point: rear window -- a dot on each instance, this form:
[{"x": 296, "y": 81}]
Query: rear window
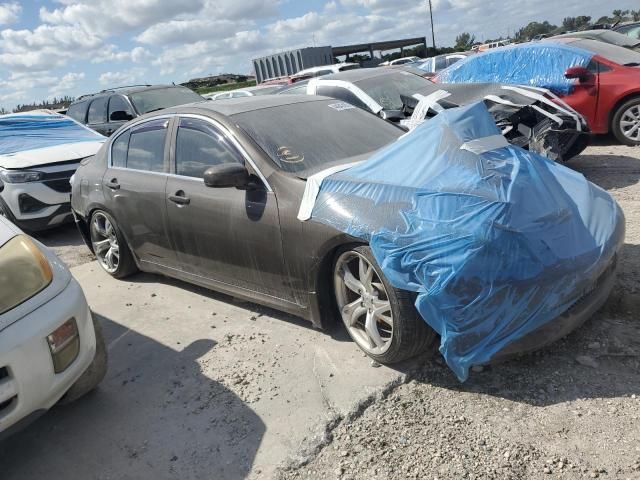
[
  {"x": 159, "y": 98},
  {"x": 78, "y": 111},
  {"x": 311, "y": 136}
]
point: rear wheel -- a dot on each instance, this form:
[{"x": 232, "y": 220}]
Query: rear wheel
[
  {"x": 381, "y": 319},
  {"x": 109, "y": 246},
  {"x": 625, "y": 124}
]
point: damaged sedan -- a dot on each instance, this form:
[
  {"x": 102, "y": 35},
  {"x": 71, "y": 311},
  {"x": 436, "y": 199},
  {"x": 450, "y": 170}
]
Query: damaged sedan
[
  {"x": 529, "y": 118},
  {"x": 403, "y": 236}
]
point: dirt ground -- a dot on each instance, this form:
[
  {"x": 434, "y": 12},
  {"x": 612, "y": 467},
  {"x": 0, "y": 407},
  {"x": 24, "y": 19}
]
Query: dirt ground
[{"x": 569, "y": 411}]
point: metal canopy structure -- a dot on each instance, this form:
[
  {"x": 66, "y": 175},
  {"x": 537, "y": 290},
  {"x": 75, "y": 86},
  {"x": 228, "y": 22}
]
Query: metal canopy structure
[{"x": 378, "y": 46}]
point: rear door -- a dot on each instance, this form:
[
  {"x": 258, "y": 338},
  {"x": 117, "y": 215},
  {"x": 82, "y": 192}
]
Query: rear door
[
  {"x": 97, "y": 115},
  {"x": 134, "y": 184},
  {"x": 222, "y": 234}
]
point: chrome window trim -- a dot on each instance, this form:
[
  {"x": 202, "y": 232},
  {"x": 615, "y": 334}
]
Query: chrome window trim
[{"x": 223, "y": 130}]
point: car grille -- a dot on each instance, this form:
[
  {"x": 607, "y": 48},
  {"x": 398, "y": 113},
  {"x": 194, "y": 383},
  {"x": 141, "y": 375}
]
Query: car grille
[
  {"x": 8, "y": 391},
  {"x": 59, "y": 181}
]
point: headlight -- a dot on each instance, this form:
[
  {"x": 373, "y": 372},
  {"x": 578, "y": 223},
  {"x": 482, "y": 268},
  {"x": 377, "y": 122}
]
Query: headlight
[
  {"x": 24, "y": 271},
  {"x": 20, "y": 176}
]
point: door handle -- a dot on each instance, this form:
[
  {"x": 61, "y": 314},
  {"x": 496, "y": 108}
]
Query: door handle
[
  {"x": 113, "y": 184},
  {"x": 179, "y": 198}
]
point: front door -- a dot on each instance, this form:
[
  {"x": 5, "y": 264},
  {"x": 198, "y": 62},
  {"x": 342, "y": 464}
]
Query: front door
[
  {"x": 134, "y": 184},
  {"x": 222, "y": 234}
]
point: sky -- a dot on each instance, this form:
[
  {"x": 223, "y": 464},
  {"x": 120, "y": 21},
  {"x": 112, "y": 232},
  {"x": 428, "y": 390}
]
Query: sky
[{"x": 70, "y": 47}]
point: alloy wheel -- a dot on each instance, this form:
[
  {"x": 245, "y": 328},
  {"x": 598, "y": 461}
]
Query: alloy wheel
[
  {"x": 363, "y": 303},
  {"x": 630, "y": 123},
  {"x": 105, "y": 242}
]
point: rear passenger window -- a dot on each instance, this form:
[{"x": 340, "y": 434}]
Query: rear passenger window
[
  {"x": 199, "y": 145},
  {"x": 146, "y": 147},
  {"x": 119, "y": 150},
  {"x": 78, "y": 112},
  {"x": 98, "y": 111}
]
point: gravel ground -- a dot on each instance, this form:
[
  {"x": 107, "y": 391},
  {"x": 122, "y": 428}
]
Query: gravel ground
[{"x": 568, "y": 411}]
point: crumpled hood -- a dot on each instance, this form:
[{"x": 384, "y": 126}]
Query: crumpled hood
[{"x": 496, "y": 240}]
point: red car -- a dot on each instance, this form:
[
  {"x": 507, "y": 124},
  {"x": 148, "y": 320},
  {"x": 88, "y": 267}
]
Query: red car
[{"x": 605, "y": 89}]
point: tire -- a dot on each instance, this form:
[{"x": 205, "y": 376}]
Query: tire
[
  {"x": 405, "y": 336},
  {"x": 623, "y": 121},
  {"x": 110, "y": 246},
  {"x": 93, "y": 375}
]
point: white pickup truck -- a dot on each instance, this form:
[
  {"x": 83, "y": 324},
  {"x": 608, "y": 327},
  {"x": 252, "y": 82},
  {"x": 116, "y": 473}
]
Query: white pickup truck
[{"x": 50, "y": 348}]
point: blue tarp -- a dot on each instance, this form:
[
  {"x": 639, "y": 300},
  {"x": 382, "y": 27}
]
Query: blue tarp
[
  {"x": 19, "y": 133},
  {"x": 538, "y": 64},
  {"x": 496, "y": 244}
]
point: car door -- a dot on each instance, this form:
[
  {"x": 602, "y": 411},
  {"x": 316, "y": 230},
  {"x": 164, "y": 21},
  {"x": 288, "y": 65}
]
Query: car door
[
  {"x": 97, "y": 115},
  {"x": 584, "y": 95},
  {"x": 222, "y": 234},
  {"x": 120, "y": 112},
  {"x": 134, "y": 186}
]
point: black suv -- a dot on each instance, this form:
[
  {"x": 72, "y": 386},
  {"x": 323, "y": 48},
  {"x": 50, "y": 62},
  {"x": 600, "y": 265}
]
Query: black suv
[{"x": 108, "y": 110}]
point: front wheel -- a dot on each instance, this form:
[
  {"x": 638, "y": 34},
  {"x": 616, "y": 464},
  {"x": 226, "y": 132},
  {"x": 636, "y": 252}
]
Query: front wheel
[
  {"x": 625, "y": 124},
  {"x": 109, "y": 246},
  {"x": 381, "y": 319}
]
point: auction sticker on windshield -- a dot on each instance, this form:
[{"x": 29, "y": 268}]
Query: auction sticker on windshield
[{"x": 341, "y": 106}]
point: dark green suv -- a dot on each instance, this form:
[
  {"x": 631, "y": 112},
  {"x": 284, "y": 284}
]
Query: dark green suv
[{"x": 108, "y": 110}]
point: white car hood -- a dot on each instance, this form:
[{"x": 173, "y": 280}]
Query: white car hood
[{"x": 48, "y": 155}]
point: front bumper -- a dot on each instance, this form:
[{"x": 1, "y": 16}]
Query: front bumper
[
  {"x": 28, "y": 384},
  {"x": 55, "y": 210},
  {"x": 571, "y": 319}
]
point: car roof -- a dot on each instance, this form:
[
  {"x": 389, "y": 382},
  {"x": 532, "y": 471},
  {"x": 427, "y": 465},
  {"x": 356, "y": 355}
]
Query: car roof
[
  {"x": 124, "y": 91},
  {"x": 359, "y": 74},
  {"x": 234, "y": 106}
]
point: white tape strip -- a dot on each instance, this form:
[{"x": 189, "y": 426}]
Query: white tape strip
[
  {"x": 312, "y": 188},
  {"x": 503, "y": 101},
  {"x": 553, "y": 117},
  {"x": 485, "y": 144},
  {"x": 424, "y": 104},
  {"x": 374, "y": 106}
]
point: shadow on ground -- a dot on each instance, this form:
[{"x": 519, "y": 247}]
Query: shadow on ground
[
  {"x": 608, "y": 171},
  {"x": 163, "y": 417}
]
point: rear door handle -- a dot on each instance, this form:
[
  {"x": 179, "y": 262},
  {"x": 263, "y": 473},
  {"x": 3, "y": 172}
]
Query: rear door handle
[
  {"x": 180, "y": 198},
  {"x": 113, "y": 184}
]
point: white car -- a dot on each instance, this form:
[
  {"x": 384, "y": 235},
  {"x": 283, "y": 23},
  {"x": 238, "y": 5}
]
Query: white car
[
  {"x": 325, "y": 70},
  {"x": 39, "y": 151},
  {"x": 50, "y": 348},
  {"x": 401, "y": 61}
]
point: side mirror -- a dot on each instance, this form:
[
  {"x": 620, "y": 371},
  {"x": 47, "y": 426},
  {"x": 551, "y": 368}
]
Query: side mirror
[
  {"x": 392, "y": 115},
  {"x": 120, "y": 116},
  {"x": 226, "y": 175},
  {"x": 580, "y": 73}
]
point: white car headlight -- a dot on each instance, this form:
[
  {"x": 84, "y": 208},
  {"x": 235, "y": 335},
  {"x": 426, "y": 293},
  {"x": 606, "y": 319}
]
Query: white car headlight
[
  {"x": 24, "y": 271},
  {"x": 20, "y": 176}
]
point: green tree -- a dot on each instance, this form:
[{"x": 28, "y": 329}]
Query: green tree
[
  {"x": 533, "y": 29},
  {"x": 635, "y": 15},
  {"x": 464, "y": 41}
]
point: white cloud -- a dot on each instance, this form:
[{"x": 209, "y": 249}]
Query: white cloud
[
  {"x": 114, "y": 79},
  {"x": 9, "y": 13},
  {"x": 68, "y": 82},
  {"x": 110, "y": 53}
]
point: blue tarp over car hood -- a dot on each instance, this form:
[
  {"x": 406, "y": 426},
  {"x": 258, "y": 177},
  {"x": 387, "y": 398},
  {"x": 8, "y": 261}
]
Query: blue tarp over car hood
[
  {"x": 537, "y": 64},
  {"x": 31, "y": 131},
  {"x": 496, "y": 243}
]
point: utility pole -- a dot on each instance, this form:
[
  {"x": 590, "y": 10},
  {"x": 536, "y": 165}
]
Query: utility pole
[{"x": 433, "y": 35}]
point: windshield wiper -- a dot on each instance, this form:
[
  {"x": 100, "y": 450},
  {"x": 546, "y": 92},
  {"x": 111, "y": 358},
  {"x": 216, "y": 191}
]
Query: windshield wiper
[{"x": 631, "y": 64}]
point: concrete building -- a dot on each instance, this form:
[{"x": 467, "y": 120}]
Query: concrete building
[{"x": 292, "y": 61}]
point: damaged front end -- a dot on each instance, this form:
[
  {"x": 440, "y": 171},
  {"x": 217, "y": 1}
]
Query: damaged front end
[{"x": 530, "y": 118}]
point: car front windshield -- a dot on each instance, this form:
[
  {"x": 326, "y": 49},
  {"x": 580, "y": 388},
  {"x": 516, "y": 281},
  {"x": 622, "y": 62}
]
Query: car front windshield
[
  {"x": 386, "y": 89},
  {"x": 619, "y": 55},
  {"x": 159, "y": 98},
  {"x": 306, "y": 137}
]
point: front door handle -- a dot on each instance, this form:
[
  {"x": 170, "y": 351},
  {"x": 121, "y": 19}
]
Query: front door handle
[
  {"x": 113, "y": 184},
  {"x": 180, "y": 198}
]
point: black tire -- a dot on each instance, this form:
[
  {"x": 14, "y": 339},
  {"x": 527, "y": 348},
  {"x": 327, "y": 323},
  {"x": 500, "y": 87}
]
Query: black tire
[
  {"x": 410, "y": 335},
  {"x": 616, "y": 126},
  {"x": 126, "y": 264},
  {"x": 92, "y": 377}
]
